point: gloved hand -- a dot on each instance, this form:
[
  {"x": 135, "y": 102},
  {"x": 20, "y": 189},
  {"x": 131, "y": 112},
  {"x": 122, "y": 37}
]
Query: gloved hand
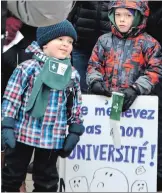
[
  {"x": 75, "y": 131},
  {"x": 8, "y": 138},
  {"x": 12, "y": 26},
  {"x": 130, "y": 95},
  {"x": 7, "y": 133},
  {"x": 99, "y": 88},
  {"x": 70, "y": 142}
]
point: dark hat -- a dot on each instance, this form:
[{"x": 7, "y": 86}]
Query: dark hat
[{"x": 48, "y": 33}]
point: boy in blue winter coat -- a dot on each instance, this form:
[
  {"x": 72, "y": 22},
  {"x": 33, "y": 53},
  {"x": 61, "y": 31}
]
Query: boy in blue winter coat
[{"x": 34, "y": 110}]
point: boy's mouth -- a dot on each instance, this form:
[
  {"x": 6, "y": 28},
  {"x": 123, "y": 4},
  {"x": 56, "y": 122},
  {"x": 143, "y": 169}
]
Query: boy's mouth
[
  {"x": 64, "y": 50},
  {"x": 122, "y": 26}
]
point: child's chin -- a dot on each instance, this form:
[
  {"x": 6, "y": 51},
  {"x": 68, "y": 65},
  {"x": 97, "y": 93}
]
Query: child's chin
[
  {"x": 60, "y": 57},
  {"x": 123, "y": 31}
]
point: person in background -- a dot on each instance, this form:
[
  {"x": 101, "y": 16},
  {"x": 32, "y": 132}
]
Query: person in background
[
  {"x": 40, "y": 13},
  {"x": 90, "y": 20},
  {"x": 36, "y": 110},
  {"x": 127, "y": 59},
  {"x": 16, "y": 54}
]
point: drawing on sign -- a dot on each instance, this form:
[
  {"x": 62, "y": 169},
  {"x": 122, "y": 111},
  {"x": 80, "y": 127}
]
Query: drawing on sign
[
  {"x": 79, "y": 184},
  {"x": 111, "y": 132},
  {"x": 104, "y": 180},
  {"x": 76, "y": 167},
  {"x": 107, "y": 102},
  {"x": 140, "y": 170},
  {"x": 139, "y": 186}
]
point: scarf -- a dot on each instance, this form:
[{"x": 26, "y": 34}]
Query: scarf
[{"x": 55, "y": 74}]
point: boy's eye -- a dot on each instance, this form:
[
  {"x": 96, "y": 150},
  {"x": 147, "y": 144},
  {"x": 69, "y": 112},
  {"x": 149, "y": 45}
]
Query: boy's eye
[
  {"x": 70, "y": 42},
  {"x": 120, "y": 15},
  {"x": 117, "y": 14},
  {"x": 60, "y": 39}
]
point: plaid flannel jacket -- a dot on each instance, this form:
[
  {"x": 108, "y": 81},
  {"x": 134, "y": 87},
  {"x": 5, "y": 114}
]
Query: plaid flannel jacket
[{"x": 47, "y": 132}]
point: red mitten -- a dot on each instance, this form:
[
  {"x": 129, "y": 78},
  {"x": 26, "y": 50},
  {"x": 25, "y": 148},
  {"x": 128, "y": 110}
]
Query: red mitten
[{"x": 12, "y": 26}]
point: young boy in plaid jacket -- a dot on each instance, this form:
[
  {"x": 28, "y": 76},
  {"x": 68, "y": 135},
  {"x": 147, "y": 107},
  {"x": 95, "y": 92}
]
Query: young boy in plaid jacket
[{"x": 34, "y": 110}]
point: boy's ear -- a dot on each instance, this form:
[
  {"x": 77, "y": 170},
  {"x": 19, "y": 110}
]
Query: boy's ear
[{"x": 44, "y": 47}]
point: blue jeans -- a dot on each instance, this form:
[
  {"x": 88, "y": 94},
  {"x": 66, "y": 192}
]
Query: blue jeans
[{"x": 80, "y": 60}]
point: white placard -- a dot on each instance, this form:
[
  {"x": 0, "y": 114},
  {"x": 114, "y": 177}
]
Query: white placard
[{"x": 96, "y": 166}]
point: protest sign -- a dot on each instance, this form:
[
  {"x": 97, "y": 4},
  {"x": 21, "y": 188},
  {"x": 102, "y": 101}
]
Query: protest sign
[{"x": 96, "y": 166}]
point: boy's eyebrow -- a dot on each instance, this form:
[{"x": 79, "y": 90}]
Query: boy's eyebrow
[{"x": 123, "y": 12}]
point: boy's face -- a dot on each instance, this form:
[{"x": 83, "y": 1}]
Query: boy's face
[
  {"x": 123, "y": 19},
  {"x": 60, "y": 47}
]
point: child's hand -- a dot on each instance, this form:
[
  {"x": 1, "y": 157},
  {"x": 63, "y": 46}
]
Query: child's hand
[
  {"x": 99, "y": 88},
  {"x": 8, "y": 138},
  {"x": 130, "y": 95},
  {"x": 7, "y": 133},
  {"x": 70, "y": 142},
  {"x": 75, "y": 131}
]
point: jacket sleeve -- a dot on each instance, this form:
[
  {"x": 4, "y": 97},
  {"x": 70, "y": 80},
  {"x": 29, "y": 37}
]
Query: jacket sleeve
[
  {"x": 73, "y": 11},
  {"x": 153, "y": 70},
  {"x": 76, "y": 116},
  {"x": 13, "y": 94},
  {"x": 95, "y": 70},
  {"x": 40, "y": 13}
]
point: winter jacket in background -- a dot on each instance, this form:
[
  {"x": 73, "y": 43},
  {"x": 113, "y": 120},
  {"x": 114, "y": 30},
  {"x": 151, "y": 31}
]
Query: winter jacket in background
[
  {"x": 40, "y": 13},
  {"x": 90, "y": 20}
]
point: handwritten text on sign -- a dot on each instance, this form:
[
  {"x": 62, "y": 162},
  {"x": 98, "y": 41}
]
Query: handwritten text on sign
[{"x": 96, "y": 165}]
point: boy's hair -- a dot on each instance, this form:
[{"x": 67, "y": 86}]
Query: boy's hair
[{"x": 48, "y": 33}]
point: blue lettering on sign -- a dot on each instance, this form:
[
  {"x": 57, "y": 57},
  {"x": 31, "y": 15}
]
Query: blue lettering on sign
[
  {"x": 84, "y": 110},
  {"x": 130, "y": 113},
  {"x": 141, "y": 155},
  {"x": 151, "y": 113},
  {"x": 131, "y": 131},
  {"x": 93, "y": 129},
  {"x": 105, "y": 152}
]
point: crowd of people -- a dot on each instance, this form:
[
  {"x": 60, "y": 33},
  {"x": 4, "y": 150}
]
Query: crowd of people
[{"x": 106, "y": 46}]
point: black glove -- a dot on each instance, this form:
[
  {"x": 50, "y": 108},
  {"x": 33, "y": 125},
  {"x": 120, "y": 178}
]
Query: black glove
[
  {"x": 130, "y": 95},
  {"x": 8, "y": 138},
  {"x": 75, "y": 131},
  {"x": 99, "y": 88},
  {"x": 7, "y": 133},
  {"x": 69, "y": 144}
]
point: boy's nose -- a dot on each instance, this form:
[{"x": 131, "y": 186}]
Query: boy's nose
[
  {"x": 65, "y": 43},
  {"x": 122, "y": 18}
]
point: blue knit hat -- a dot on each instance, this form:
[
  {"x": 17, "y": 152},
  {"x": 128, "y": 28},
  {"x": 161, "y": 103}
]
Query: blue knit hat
[{"x": 48, "y": 33}]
